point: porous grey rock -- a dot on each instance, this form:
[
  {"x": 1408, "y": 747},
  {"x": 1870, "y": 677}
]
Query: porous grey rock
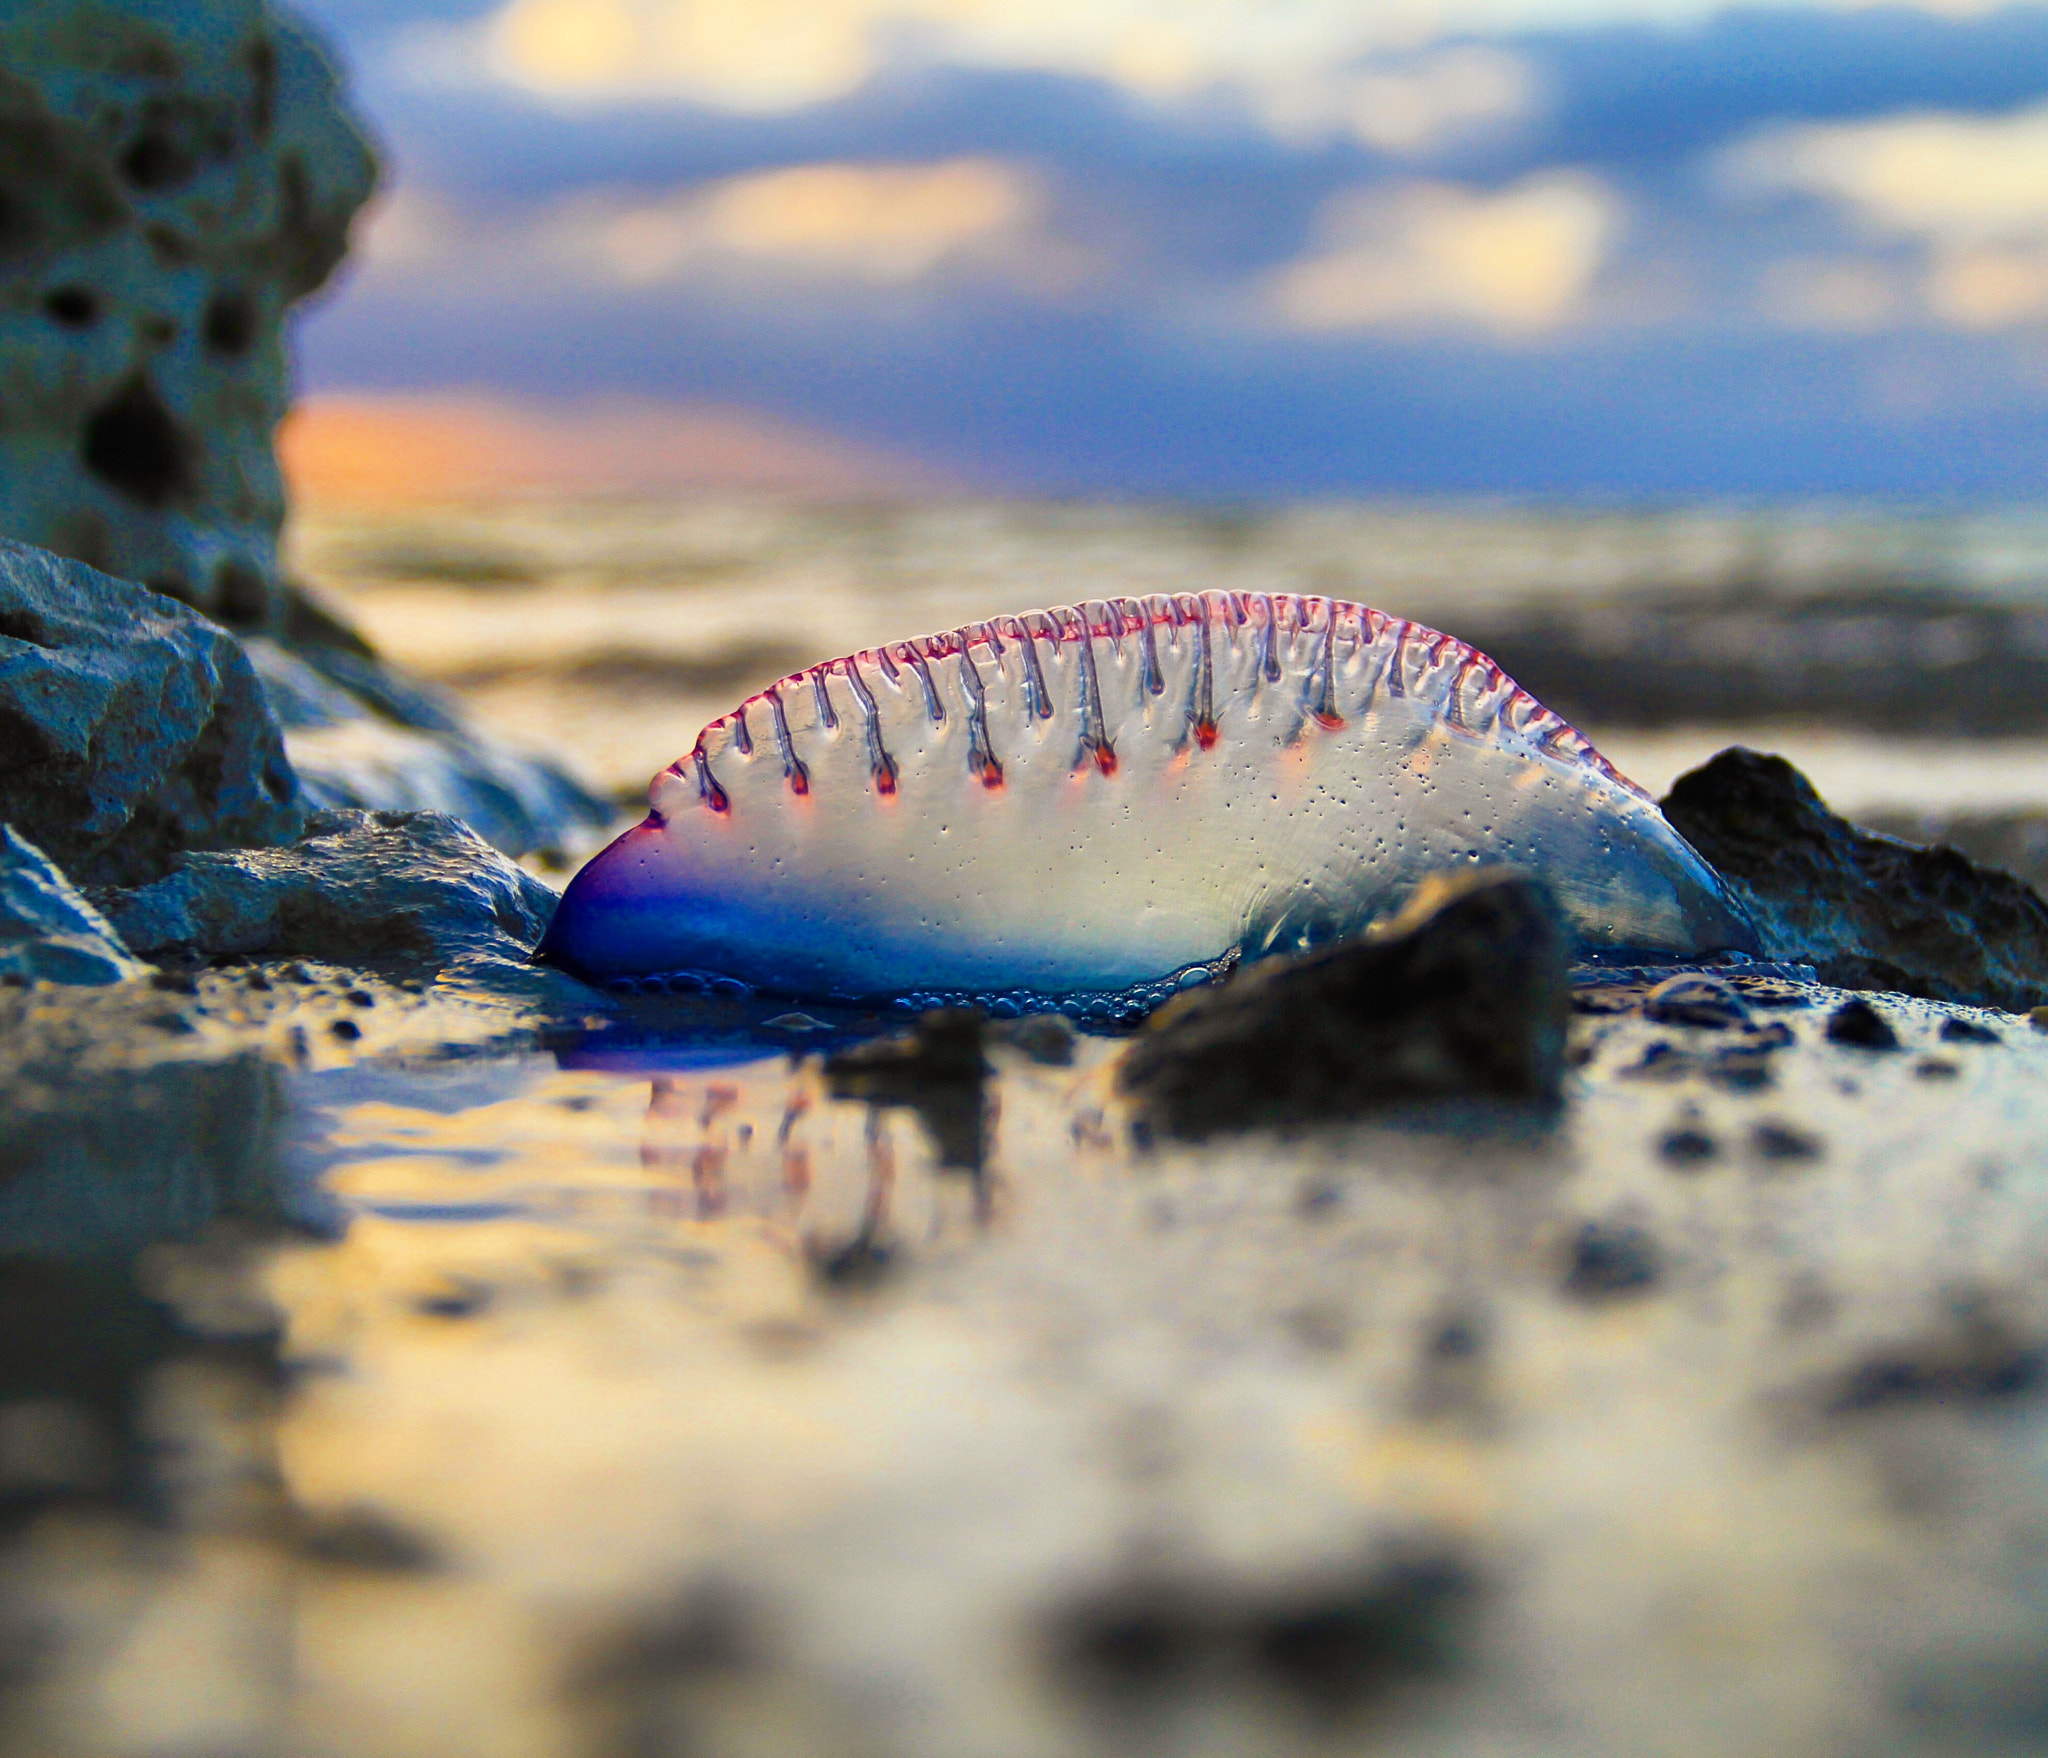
[
  {"x": 131, "y": 729},
  {"x": 410, "y": 892},
  {"x": 48, "y": 933},
  {"x": 172, "y": 180},
  {"x": 1870, "y": 912},
  {"x": 1464, "y": 993}
]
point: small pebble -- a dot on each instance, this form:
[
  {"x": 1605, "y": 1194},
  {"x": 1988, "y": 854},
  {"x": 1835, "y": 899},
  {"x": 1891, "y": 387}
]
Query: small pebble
[
  {"x": 1780, "y": 1141},
  {"x": 1695, "y": 1000},
  {"x": 1967, "y": 1031},
  {"x": 1936, "y": 1068},
  {"x": 1612, "y": 1260},
  {"x": 1859, "y": 1024},
  {"x": 1687, "y": 1147}
]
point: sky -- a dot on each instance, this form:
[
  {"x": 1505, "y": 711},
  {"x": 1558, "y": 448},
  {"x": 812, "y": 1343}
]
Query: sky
[{"x": 1596, "y": 249}]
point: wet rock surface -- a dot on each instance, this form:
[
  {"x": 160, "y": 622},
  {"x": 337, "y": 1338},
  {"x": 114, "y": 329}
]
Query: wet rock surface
[
  {"x": 413, "y": 892},
  {"x": 1463, "y": 994},
  {"x": 1868, "y": 911},
  {"x": 48, "y": 932},
  {"x": 131, "y": 729}
]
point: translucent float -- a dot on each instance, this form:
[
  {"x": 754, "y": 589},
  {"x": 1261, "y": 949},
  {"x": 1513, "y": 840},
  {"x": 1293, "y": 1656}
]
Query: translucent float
[{"x": 1088, "y": 807}]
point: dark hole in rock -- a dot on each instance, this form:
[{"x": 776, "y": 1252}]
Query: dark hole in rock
[
  {"x": 261, "y": 58},
  {"x": 228, "y": 325},
  {"x": 133, "y": 444},
  {"x": 1860, "y": 1024},
  {"x": 1780, "y": 1141},
  {"x": 241, "y": 597},
  {"x": 1967, "y": 1031},
  {"x": 1688, "y": 1147},
  {"x": 155, "y": 161},
  {"x": 346, "y": 1029},
  {"x": 19, "y": 626},
  {"x": 1937, "y": 1068},
  {"x": 365, "y": 1539},
  {"x": 73, "y": 307},
  {"x": 1612, "y": 1259},
  {"x": 360, "y": 998},
  {"x": 175, "y": 982}
]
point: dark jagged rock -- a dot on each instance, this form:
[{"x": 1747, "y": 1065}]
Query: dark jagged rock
[
  {"x": 2014, "y": 841},
  {"x": 131, "y": 728},
  {"x": 405, "y": 891},
  {"x": 1860, "y": 1024},
  {"x": 1870, "y": 912},
  {"x": 1463, "y": 993}
]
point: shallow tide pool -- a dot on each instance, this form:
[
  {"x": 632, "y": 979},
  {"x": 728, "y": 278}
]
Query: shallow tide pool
[{"x": 639, "y": 1396}]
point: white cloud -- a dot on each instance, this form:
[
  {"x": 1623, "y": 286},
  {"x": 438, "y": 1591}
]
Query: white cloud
[
  {"x": 1406, "y": 104},
  {"x": 1970, "y": 191},
  {"x": 1426, "y": 255},
  {"x": 834, "y": 223},
  {"x": 1957, "y": 179},
  {"x": 1297, "y": 57}
]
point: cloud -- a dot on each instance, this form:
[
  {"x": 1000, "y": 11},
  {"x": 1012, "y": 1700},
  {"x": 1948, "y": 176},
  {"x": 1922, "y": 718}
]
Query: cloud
[
  {"x": 1971, "y": 191},
  {"x": 1301, "y": 59},
  {"x": 1406, "y": 106},
  {"x": 1961, "y": 180},
  {"x": 886, "y": 226},
  {"x": 1426, "y": 255}
]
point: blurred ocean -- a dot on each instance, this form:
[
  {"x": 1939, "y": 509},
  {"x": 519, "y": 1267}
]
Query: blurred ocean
[{"x": 1900, "y": 659}]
